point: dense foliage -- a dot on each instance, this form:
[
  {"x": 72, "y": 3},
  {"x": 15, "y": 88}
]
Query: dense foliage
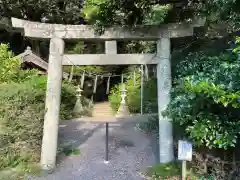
[
  {"x": 106, "y": 12},
  {"x": 219, "y": 11},
  {"x": 10, "y": 67},
  {"x": 205, "y": 98},
  {"x": 109, "y": 12},
  {"x": 53, "y": 11},
  {"x": 22, "y": 99},
  {"x": 21, "y": 121},
  {"x": 134, "y": 94}
]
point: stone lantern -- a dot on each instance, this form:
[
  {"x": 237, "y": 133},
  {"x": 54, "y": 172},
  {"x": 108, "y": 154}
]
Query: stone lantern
[
  {"x": 78, "y": 108},
  {"x": 123, "y": 108}
]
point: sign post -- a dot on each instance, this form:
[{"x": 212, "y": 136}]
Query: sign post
[{"x": 184, "y": 155}]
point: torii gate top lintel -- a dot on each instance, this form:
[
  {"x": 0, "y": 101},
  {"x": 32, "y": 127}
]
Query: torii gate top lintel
[{"x": 87, "y": 32}]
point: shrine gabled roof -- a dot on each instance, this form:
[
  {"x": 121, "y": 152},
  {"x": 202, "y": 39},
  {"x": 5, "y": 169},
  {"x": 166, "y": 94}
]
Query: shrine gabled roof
[{"x": 29, "y": 56}]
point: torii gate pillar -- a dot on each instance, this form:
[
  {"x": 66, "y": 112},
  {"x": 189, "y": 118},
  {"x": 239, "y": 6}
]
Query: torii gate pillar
[
  {"x": 164, "y": 81},
  {"x": 52, "y": 105}
]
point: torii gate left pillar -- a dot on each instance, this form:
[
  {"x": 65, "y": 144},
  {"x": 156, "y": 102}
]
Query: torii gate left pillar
[{"x": 52, "y": 105}]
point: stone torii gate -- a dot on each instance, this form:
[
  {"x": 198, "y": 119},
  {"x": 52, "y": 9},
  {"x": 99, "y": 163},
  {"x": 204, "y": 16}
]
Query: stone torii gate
[{"x": 57, "y": 32}]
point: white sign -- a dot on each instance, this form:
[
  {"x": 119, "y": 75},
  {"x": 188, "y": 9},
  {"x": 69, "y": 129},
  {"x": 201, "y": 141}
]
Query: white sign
[{"x": 184, "y": 150}]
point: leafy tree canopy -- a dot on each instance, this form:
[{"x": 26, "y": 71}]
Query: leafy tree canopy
[
  {"x": 206, "y": 98},
  {"x": 57, "y": 11},
  {"x": 131, "y": 12},
  {"x": 10, "y": 67}
]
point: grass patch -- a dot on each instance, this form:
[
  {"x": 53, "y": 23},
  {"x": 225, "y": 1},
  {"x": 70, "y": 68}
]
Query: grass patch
[
  {"x": 164, "y": 170},
  {"x": 20, "y": 171},
  {"x": 172, "y": 171},
  {"x": 69, "y": 150}
]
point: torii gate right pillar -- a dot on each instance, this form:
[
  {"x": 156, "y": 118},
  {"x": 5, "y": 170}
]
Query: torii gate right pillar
[{"x": 164, "y": 81}]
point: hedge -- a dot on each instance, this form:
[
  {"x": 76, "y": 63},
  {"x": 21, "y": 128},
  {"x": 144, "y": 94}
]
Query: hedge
[
  {"x": 134, "y": 95},
  {"x": 22, "y": 108},
  {"x": 21, "y": 119}
]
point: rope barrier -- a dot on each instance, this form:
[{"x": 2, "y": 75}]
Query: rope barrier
[{"x": 91, "y": 74}]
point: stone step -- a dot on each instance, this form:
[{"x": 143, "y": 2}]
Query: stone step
[
  {"x": 97, "y": 114},
  {"x": 108, "y": 108},
  {"x": 102, "y": 110},
  {"x": 100, "y": 106}
]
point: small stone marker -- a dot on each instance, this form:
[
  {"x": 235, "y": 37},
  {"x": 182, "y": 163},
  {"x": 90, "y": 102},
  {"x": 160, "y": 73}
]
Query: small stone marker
[{"x": 184, "y": 154}]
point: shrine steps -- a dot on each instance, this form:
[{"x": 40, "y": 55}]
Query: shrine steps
[{"x": 103, "y": 109}]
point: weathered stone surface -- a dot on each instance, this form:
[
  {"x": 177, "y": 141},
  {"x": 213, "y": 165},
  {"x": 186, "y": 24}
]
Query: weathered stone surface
[
  {"x": 51, "y": 119},
  {"x": 109, "y": 59},
  {"x": 78, "y": 108},
  {"x": 123, "y": 110},
  {"x": 164, "y": 86},
  {"x": 111, "y": 47},
  {"x": 85, "y": 32}
]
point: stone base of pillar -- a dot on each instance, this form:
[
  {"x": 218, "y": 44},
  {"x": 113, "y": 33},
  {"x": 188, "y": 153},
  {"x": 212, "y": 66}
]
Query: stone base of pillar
[
  {"x": 45, "y": 170},
  {"x": 123, "y": 110},
  {"x": 165, "y": 141},
  {"x": 78, "y": 108}
]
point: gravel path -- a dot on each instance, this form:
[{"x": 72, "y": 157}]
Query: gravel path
[{"x": 130, "y": 152}]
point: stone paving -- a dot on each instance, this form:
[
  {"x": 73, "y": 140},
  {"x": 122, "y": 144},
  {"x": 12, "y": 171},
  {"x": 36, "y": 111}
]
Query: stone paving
[{"x": 130, "y": 152}]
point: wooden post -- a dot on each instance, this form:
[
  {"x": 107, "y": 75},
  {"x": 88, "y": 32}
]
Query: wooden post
[
  {"x": 52, "y": 107},
  {"x": 164, "y": 86},
  {"x": 106, "y": 144},
  {"x": 142, "y": 80},
  {"x": 184, "y": 170}
]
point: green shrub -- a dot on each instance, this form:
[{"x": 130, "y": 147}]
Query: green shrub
[
  {"x": 150, "y": 100},
  {"x": 172, "y": 171},
  {"x": 115, "y": 97},
  {"x": 10, "y": 71},
  {"x": 22, "y": 108},
  {"x": 134, "y": 95},
  {"x": 68, "y": 100},
  {"x": 205, "y": 99},
  {"x": 10, "y": 67},
  {"x": 21, "y": 119},
  {"x": 164, "y": 171}
]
